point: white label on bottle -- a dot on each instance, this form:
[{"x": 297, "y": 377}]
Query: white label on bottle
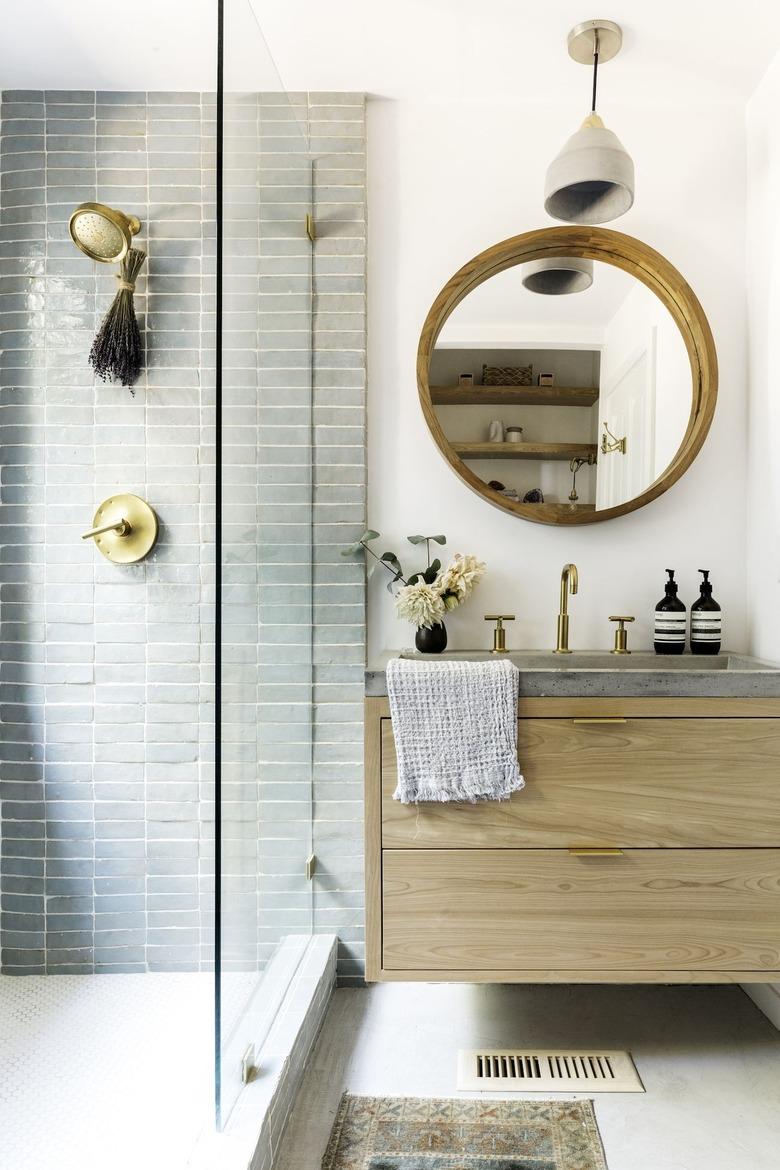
[
  {"x": 670, "y": 626},
  {"x": 705, "y": 625}
]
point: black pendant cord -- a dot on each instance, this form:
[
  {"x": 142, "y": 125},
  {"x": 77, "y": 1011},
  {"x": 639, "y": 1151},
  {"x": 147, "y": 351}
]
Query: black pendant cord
[{"x": 595, "y": 73}]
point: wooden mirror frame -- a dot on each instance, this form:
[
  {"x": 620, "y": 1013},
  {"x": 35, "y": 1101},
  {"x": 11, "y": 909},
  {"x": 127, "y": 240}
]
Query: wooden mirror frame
[{"x": 638, "y": 260}]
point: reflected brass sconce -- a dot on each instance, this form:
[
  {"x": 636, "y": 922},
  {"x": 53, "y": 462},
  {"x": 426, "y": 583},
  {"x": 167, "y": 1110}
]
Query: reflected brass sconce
[
  {"x": 575, "y": 464},
  {"x": 125, "y": 529},
  {"x": 610, "y": 442}
]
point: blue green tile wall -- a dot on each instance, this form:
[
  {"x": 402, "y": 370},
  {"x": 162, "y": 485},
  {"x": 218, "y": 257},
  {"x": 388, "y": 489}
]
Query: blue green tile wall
[{"x": 105, "y": 673}]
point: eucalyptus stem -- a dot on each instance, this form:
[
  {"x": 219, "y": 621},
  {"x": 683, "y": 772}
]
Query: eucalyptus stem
[{"x": 383, "y": 563}]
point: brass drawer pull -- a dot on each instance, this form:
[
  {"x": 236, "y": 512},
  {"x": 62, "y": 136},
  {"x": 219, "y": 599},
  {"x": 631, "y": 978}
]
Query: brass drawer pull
[
  {"x": 611, "y": 719},
  {"x": 597, "y": 851}
]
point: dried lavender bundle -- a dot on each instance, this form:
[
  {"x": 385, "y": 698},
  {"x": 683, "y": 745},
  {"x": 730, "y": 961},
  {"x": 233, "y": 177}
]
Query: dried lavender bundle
[{"x": 117, "y": 352}]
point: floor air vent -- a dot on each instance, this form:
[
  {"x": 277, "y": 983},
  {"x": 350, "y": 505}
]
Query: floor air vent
[{"x": 543, "y": 1070}]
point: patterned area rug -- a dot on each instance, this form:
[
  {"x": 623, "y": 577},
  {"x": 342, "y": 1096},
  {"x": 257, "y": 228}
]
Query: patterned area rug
[{"x": 415, "y": 1133}]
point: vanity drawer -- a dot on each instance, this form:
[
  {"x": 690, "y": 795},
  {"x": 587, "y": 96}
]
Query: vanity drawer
[
  {"x": 462, "y": 911},
  {"x": 646, "y": 782}
]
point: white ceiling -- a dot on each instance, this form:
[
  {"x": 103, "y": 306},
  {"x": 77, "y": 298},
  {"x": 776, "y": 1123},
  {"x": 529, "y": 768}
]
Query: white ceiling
[
  {"x": 437, "y": 50},
  {"x": 503, "y": 304}
]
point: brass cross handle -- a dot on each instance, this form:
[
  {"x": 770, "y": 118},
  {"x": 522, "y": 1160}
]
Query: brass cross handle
[
  {"x": 499, "y": 633},
  {"x": 621, "y": 635}
]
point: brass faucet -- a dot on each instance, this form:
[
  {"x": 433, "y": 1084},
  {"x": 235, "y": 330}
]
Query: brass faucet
[{"x": 569, "y": 584}]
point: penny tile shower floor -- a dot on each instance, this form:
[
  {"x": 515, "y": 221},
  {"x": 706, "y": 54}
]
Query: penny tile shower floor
[{"x": 104, "y": 1072}]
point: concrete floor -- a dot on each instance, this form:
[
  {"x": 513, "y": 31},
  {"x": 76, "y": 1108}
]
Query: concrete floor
[{"x": 709, "y": 1060}]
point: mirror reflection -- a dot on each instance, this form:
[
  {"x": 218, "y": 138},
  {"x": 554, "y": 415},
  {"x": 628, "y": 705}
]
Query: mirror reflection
[{"x": 563, "y": 382}]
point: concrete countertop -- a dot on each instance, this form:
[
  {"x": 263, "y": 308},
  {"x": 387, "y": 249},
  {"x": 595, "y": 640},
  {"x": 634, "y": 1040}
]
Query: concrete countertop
[{"x": 597, "y": 674}]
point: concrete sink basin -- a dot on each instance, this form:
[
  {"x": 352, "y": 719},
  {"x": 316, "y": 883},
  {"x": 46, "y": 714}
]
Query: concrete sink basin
[
  {"x": 602, "y": 660},
  {"x": 641, "y": 674}
]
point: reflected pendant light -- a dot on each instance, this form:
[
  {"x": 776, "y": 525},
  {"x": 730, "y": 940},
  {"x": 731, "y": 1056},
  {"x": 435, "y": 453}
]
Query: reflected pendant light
[
  {"x": 558, "y": 276},
  {"x": 591, "y": 180}
]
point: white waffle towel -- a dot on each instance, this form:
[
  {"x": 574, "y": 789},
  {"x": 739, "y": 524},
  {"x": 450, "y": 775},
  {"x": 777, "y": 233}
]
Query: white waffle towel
[{"x": 455, "y": 728}]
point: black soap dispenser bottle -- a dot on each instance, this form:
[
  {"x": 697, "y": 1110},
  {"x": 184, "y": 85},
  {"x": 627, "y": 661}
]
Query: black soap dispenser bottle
[
  {"x": 671, "y": 626},
  {"x": 705, "y": 620}
]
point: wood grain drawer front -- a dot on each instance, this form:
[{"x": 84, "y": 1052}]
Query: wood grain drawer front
[
  {"x": 644, "y": 783},
  {"x": 649, "y": 910}
]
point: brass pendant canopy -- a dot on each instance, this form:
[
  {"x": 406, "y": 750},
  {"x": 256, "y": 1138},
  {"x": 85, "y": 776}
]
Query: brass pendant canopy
[
  {"x": 102, "y": 233},
  {"x": 591, "y": 180},
  {"x": 581, "y": 41},
  {"x": 558, "y": 276}
]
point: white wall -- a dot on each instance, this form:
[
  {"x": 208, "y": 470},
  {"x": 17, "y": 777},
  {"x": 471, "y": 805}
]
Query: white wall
[
  {"x": 446, "y": 181},
  {"x": 763, "y": 298},
  {"x": 763, "y": 289}
]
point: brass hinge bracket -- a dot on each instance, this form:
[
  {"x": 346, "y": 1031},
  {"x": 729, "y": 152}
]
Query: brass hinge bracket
[
  {"x": 248, "y": 1065},
  {"x": 610, "y": 442},
  {"x": 311, "y": 866},
  {"x": 311, "y": 227}
]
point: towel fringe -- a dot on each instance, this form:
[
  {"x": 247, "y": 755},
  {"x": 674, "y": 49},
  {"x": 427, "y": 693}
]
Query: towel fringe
[{"x": 498, "y": 784}]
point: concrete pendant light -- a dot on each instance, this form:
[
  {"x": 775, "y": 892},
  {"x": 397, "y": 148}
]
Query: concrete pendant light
[
  {"x": 591, "y": 180},
  {"x": 558, "y": 276}
]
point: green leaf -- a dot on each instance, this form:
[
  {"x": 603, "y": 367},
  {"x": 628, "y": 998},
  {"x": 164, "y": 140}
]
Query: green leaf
[
  {"x": 430, "y": 574},
  {"x": 369, "y": 534},
  {"x": 351, "y": 549},
  {"x": 390, "y": 558},
  {"x": 415, "y": 577},
  {"x": 390, "y": 584},
  {"x": 416, "y": 539},
  {"x": 439, "y": 539}
]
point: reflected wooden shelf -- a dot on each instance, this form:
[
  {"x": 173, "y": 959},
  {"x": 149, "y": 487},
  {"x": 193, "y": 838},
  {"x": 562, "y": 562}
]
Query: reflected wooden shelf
[
  {"x": 562, "y": 451},
  {"x": 514, "y": 395},
  {"x": 554, "y": 511}
]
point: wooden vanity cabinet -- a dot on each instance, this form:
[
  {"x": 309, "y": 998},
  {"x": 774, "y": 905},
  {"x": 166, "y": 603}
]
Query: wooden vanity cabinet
[{"x": 683, "y": 795}]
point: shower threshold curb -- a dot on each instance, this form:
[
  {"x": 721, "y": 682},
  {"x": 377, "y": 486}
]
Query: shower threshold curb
[{"x": 254, "y": 1132}]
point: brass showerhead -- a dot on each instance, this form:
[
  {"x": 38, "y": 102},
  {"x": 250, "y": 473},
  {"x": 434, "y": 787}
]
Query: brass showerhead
[{"x": 102, "y": 233}]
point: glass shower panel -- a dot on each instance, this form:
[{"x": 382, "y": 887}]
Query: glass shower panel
[{"x": 264, "y": 708}]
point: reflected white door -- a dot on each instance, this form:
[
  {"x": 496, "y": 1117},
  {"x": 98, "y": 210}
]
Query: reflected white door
[{"x": 627, "y": 405}]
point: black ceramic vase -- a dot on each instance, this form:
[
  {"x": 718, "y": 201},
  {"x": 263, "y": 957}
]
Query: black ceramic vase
[{"x": 431, "y": 641}]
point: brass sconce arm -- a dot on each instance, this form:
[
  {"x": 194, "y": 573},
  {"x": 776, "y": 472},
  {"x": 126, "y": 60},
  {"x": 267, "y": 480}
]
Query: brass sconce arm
[{"x": 610, "y": 442}]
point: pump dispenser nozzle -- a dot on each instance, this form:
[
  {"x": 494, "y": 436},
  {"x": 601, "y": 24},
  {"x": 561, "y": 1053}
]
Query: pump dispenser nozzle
[
  {"x": 670, "y": 620},
  {"x": 705, "y": 619}
]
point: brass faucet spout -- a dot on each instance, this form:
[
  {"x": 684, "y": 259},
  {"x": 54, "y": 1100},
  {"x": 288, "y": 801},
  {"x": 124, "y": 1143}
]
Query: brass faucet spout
[{"x": 569, "y": 584}]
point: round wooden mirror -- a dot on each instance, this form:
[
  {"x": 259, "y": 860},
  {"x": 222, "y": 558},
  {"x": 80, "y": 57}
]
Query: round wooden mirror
[{"x": 568, "y": 375}]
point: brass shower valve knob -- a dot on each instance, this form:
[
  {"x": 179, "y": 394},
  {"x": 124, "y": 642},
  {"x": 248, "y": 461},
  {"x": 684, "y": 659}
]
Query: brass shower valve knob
[{"x": 124, "y": 529}]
